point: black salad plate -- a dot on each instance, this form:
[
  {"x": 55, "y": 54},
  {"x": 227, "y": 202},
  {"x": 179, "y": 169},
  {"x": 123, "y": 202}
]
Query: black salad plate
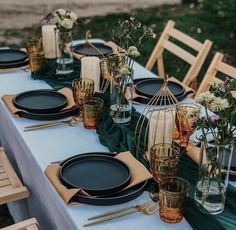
[
  {"x": 40, "y": 101},
  {"x": 86, "y": 50},
  {"x": 50, "y": 116},
  {"x": 12, "y": 55},
  {"x": 150, "y": 87},
  {"x": 95, "y": 173},
  {"x": 14, "y": 64}
]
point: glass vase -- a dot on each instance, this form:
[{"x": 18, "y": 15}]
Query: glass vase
[
  {"x": 64, "y": 53},
  {"x": 214, "y": 166},
  {"x": 121, "y": 98}
]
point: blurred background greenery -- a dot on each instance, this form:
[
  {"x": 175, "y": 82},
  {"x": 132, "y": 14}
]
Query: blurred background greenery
[{"x": 202, "y": 19}]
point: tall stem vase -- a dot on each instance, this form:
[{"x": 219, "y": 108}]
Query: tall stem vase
[
  {"x": 210, "y": 191},
  {"x": 64, "y": 53},
  {"x": 121, "y": 98}
]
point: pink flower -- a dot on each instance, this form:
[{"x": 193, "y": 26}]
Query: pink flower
[
  {"x": 226, "y": 81},
  {"x": 215, "y": 118}
]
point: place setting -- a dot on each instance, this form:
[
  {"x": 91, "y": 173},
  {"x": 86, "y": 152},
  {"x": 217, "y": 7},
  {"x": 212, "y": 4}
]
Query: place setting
[
  {"x": 42, "y": 104},
  {"x": 99, "y": 178},
  {"x": 13, "y": 59}
]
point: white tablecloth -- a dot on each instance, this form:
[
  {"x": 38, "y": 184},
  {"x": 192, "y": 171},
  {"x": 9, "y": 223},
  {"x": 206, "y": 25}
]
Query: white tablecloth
[{"x": 33, "y": 151}]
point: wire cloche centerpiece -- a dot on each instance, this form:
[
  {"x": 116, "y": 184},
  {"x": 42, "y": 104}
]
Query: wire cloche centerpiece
[{"x": 162, "y": 125}]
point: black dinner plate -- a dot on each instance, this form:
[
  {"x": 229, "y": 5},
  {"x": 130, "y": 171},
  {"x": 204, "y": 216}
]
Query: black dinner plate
[
  {"x": 50, "y": 116},
  {"x": 86, "y": 50},
  {"x": 117, "y": 198},
  {"x": 179, "y": 97},
  {"x": 40, "y": 101},
  {"x": 95, "y": 173},
  {"x": 12, "y": 55},
  {"x": 14, "y": 64},
  {"x": 150, "y": 87}
]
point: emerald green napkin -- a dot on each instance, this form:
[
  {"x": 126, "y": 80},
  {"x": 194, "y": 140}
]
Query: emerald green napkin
[
  {"x": 120, "y": 138},
  {"x": 56, "y": 81}
]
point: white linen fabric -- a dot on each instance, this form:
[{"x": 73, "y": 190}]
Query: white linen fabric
[{"x": 31, "y": 152}]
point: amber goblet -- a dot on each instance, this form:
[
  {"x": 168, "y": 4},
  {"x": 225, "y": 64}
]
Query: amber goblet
[
  {"x": 164, "y": 161},
  {"x": 83, "y": 90},
  {"x": 185, "y": 121},
  {"x": 35, "y": 52}
]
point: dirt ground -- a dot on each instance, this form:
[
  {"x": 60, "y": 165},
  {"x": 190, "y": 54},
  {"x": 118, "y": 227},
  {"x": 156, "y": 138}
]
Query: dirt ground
[{"x": 24, "y": 14}]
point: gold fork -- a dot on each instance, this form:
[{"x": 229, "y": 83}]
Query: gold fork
[
  {"x": 71, "y": 122},
  {"x": 147, "y": 208}
]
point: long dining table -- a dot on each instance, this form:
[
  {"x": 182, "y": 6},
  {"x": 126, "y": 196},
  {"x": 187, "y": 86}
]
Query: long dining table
[{"x": 31, "y": 152}]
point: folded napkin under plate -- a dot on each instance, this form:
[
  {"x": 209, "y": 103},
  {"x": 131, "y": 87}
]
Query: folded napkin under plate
[
  {"x": 8, "y": 100},
  {"x": 139, "y": 174}
]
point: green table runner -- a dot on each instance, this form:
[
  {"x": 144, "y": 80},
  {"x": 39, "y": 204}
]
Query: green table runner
[
  {"x": 56, "y": 81},
  {"x": 121, "y": 138}
]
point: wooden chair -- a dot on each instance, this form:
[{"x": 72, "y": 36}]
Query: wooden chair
[
  {"x": 11, "y": 188},
  {"x": 217, "y": 65},
  {"x": 30, "y": 224},
  {"x": 164, "y": 43}
]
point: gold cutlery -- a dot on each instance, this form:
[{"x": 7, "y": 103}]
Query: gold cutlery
[
  {"x": 71, "y": 122},
  {"x": 147, "y": 208}
]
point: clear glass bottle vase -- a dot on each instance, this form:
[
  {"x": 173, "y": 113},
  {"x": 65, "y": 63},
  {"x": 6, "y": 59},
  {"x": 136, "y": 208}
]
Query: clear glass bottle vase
[
  {"x": 214, "y": 167},
  {"x": 121, "y": 98},
  {"x": 64, "y": 52}
]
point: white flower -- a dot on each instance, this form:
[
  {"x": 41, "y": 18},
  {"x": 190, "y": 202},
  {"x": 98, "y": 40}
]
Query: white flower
[
  {"x": 205, "y": 98},
  {"x": 132, "y": 48},
  {"x": 124, "y": 71},
  {"x": 218, "y": 104},
  {"x": 66, "y": 23},
  {"x": 134, "y": 54},
  {"x": 212, "y": 102},
  {"x": 61, "y": 12},
  {"x": 73, "y": 16},
  {"x": 57, "y": 20}
]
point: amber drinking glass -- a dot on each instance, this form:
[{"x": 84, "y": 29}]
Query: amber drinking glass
[
  {"x": 186, "y": 118},
  {"x": 35, "y": 52},
  {"x": 83, "y": 90},
  {"x": 92, "y": 110},
  {"x": 164, "y": 161},
  {"x": 173, "y": 193}
]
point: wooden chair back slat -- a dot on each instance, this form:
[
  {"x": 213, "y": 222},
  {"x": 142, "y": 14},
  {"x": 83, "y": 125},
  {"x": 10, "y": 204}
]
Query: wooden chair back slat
[
  {"x": 187, "y": 40},
  {"x": 226, "y": 69},
  {"x": 164, "y": 42},
  {"x": 11, "y": 188},
  {"x": 180, "y": 52},
  {"x": 210, "y": 78},
  {"x": 30, "y": 224}
]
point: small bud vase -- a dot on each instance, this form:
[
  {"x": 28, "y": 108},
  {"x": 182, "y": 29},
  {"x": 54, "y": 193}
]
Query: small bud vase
[
  {"x": 121, "y": 98},
  {"x": 64, "y": 53}
]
